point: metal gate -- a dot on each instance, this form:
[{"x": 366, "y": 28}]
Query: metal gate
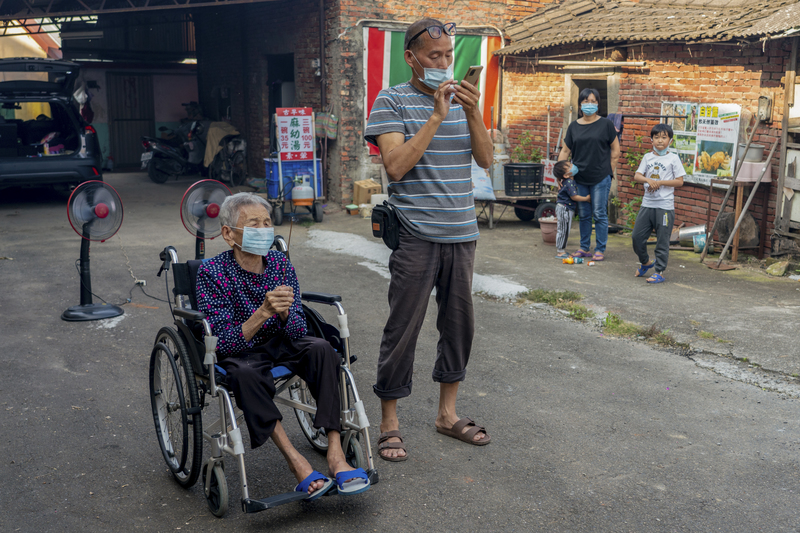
[{"x": 131, "y": 115}]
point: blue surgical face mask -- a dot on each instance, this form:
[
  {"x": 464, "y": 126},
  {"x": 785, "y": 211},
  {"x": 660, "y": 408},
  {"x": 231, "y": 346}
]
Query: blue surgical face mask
[
  {"x": 257, "y": 241},
  {"x": 660, "y": 152},
  {"x": 435, "y": 76},
  {"x": 573, "y": 170},
  {"x": 589, "y": 109}
]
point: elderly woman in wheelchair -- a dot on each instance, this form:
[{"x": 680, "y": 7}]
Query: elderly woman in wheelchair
[{"x": 254, "y": 322}]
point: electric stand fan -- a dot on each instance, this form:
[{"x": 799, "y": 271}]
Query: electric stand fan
[
  {"x": 200, "y": 211},
  {"x": 95, "y": 213}
]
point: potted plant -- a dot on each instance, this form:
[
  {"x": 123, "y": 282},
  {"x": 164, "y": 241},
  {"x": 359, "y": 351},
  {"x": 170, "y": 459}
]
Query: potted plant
[
  {"x": 523, "y": 176},
  {"x": 524, "y": 152}
]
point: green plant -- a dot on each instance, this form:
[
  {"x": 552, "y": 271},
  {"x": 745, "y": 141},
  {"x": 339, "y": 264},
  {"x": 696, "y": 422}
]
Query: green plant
[
  {"x": 628, "y": 209},
  {"x": 705, "y": 335},
  {"x": 563, "y": 300},
  {"x": 614, "y": 325},
  {"x": 634, "y": 157},
  {"x": 524, "y": 151}
]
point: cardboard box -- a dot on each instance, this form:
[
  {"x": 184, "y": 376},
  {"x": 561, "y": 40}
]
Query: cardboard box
[{"x": 363, "y": 191}]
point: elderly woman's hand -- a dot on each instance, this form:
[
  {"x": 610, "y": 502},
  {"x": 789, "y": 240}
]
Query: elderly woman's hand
[{"x": 278, "y": 301}]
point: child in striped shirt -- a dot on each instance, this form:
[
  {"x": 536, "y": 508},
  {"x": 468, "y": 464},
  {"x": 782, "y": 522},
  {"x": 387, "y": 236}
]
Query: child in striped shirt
[{"x": 566, "y": 203}]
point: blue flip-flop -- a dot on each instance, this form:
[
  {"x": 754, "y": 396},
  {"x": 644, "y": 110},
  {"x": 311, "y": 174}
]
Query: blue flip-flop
[
  {"x": 312, "y": 477},
  {"x": 352, "y": 481},
  {"x": 642, "y": 270},
  {"x": 656, "y": 278}
]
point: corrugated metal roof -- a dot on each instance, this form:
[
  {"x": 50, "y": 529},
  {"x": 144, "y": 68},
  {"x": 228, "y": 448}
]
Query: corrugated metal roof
[{"x": 575, "y": 21}]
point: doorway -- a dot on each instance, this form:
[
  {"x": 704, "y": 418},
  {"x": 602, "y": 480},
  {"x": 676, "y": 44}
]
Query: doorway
[
  {"x": 131, "y": 115},
  {"x": 281, "y": 86},
  {"x": 600, "y": 85}
]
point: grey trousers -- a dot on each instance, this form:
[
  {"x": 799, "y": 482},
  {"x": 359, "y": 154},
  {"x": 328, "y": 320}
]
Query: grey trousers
[
  {"x": 564, "y": 217},
  {"x": 648, "y": 219},
  {"x": 417, "y": 267}
]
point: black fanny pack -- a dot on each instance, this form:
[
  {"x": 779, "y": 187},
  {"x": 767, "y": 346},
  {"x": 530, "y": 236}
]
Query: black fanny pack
[{"x": 385, "y": 225}]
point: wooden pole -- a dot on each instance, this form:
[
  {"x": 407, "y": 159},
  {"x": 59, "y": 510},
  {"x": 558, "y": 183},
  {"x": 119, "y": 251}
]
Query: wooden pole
[
  {"x": 749, "y": 199},
  {"x": 783, "y": 216},
  {"x": 724, "y": 203},
  {"x": 548, "y": 132},
  {"x": 737, "y": 214}
]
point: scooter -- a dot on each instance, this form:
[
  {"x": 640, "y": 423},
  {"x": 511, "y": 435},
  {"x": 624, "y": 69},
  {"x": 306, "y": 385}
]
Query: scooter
[
  {"x": 230, "y": 163},
  {"x": 178, "y": 156}
]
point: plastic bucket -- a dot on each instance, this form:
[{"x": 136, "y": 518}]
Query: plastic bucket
[
  {"x": 549, "y": 230},
  {"x": 699, "y": 242}
]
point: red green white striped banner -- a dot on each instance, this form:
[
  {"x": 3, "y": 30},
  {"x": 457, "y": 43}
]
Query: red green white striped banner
[{"x": 385, "y": 66}]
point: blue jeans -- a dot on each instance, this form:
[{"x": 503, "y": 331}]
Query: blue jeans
[{"x": 598, "y": 210}]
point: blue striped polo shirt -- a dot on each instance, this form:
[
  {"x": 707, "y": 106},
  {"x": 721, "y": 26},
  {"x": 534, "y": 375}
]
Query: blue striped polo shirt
[{"x": 434, "y": 199}]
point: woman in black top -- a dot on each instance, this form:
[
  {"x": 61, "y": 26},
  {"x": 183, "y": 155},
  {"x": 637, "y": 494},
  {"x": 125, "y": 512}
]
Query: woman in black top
[{"x": 591, "y": 142}]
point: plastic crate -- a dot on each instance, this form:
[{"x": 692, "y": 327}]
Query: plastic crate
[
  {"x": 290, "y": 169},
  {"x": 523, "y": 179}
]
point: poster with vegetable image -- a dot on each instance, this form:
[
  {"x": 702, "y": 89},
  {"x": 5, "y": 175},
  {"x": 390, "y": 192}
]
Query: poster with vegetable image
[
  {"x": 682, "y": 117},
  {"x": 717, "y": 140}
]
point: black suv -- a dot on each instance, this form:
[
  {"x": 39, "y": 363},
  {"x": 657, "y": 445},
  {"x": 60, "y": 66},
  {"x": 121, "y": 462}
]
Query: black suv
[{"x": 44, "y": 141}]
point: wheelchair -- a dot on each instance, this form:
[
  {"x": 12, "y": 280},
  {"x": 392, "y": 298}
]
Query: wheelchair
[{"x": 184, "y": 376}]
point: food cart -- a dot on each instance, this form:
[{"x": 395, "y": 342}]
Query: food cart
[
  {"x": 526, "y": 187},
  {"x": 295, "y": 163}
]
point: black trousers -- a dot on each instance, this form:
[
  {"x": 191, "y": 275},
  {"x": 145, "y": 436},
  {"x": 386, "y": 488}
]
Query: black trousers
[
  {"x": 249, "y": 378},
  {"x": 417, "y": 267}
]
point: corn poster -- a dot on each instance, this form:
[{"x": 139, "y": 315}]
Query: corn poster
[{"x": 717, "y": 140}]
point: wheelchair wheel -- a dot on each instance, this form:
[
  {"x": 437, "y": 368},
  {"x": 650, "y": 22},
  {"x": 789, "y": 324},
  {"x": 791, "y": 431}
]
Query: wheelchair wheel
[
  {"x": 354, "y": 454},
  {"x": 217, "y": 496},
  {"x": 317, "y": 437},
  {"x": 176, "y": 407}
]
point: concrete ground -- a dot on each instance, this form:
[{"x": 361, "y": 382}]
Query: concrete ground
[{"x": 589, "y": 433}]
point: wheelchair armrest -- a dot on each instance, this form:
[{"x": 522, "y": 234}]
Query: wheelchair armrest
[
  {"x": 189, "y": 314},
  {"x": 321, "y": 297}
]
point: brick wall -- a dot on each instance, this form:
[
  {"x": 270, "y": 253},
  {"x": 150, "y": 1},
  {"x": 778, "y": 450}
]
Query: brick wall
[
  {"x": 232, "y": 45},
  {"x": 349, "y": 158},
  {"x": 232, "y": 42},
  {"x": 690, "y": 73}
]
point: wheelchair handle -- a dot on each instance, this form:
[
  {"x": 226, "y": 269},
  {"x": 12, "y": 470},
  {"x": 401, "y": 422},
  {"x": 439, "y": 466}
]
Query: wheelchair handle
[{"x": 168, "y": 255}]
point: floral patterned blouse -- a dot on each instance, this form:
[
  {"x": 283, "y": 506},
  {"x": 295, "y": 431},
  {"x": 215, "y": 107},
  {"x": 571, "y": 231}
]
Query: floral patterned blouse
[{"x": 229, "y": 295}]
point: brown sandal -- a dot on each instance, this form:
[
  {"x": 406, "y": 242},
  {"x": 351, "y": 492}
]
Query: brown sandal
[
  {"x": 468, "y": 436},
  {"x": 383, "y": 445}
]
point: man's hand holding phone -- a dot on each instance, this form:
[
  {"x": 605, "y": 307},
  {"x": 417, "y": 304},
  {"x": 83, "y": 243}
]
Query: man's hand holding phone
[{"x": 467, "y": 93}]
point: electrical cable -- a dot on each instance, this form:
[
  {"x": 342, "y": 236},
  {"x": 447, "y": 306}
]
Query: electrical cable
[
  {"x": 130, "y": 294},
  {"x": 128, "y": 261},
  {"x": 78, "y": 268}
]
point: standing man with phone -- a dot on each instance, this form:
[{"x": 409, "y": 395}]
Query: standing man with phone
[{"x": 428, "y": 130}]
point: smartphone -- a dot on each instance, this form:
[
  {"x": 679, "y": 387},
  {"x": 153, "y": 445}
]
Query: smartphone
[{"x": 473, "y": 75}]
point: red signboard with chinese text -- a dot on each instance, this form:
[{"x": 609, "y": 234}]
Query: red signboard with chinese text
[{"x": 295, "y": 133}]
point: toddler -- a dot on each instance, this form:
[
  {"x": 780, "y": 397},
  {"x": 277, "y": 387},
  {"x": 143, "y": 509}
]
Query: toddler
[{"x": 566, "y": 203}]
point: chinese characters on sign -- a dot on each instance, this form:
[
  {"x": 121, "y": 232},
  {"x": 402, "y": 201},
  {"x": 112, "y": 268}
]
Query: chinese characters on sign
[
  {"x": 295, "y": 127},
  {"x": 717, "y": 140},
  {"x": 705, "y": 138}
]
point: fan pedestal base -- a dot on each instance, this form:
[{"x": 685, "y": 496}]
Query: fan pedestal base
[{"x": 82, "y": 313}]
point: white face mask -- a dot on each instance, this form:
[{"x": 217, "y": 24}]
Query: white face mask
[
  {"x": 257, "y": 241},
  {"x": 434, "y": 76}
]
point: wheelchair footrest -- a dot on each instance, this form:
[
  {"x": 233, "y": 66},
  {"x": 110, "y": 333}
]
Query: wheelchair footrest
[{"x": 254, "y": 506}]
